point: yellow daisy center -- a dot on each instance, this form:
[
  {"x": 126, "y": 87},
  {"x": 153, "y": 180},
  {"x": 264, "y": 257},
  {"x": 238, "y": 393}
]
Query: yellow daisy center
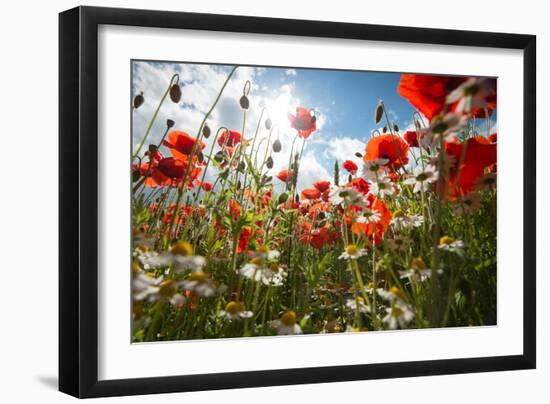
[
  {"x": 263, "y": 249},
  {"x": 182, "y": 248},
  {"x": 397, "y": 292},
  {"x": 167, "y": 288},
  {"x": 198, "y": 276},
  {"x": 259, "y": 261},
  {"x": 352, "y": 249},
  {"x": 289, "y": 318},
  {"x": 398, "y": 213},
  {"x": 418, "y": 263},
  {"x": 397, "y": 312},
  {"x": 234, "y": 307},
  {"x": 446, "y": 240}
]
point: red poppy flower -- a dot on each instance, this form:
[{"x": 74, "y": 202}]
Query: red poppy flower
[
  {"x": 390, "y": 147},
  {"x": 234, "y": 209},
  {"x": 311, "y": 193},
  {"x": 479, "y": 154},
  {"x": 244, "y": 238},
  {"x": 427, "y": 93},
  {"x": 207, "y": 186},
  {"x": 411, "y": 138},
  {"x": 181, "y": 144},
  {"x": 316, "y": 209},
  {"x": 285, "y": 175},
  {"x": 360, "y": 184},
  {"x": 317, "y": 238},
  {"x": 322, "y": 186},
  {"x": 493, "y": 137},
  {"x": 350, "y": 166},
  {"x": 303, "y": 122},
  {"x": 229, "y": 138},
  {"x": 374, "y": 228}
]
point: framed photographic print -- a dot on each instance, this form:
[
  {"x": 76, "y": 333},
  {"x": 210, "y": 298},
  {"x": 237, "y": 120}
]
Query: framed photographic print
[{"x": 252, "y": 201}]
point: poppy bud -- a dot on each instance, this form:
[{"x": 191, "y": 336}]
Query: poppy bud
[
  {"x": 359, "y": 155},
  {"x": 206, "y": 131},
  {"x": 269, "y": 162},
  {"x": 138, "y": 100},
  {"x": 239, "y": 184},
  {"x": 350, "y": 178},
  {"x": 395, "y": 128},
  {"x": 175, "y": 93},
  {"x": 245, "y": 104},
  {"x": 152, "y": 149},
  {"x": 219, "y": 157},
  {"x": 283, "y": 198},
  {"x": 135, "y": 175},
  {"x": 277, "y": 146},
  {"x": 241, "y": 167},
  {"x": 268, "y": 124},
  {"x": 384, "y": 129},
  {"x": 378, "y": 112},
  {"x": 170, "y": 123},
  {"x": 200, "y": 157}
]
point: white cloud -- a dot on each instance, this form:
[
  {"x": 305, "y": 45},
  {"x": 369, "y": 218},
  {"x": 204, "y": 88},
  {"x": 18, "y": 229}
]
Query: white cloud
[
  {"x": 200, "y": 87},
  {"x": 290, "y": 72}
]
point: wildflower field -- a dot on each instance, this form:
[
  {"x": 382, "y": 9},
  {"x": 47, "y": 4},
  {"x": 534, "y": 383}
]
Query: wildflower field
[{"x": 251, "y": 218}]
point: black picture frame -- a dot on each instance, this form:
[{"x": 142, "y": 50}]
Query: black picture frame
[{"x": 78, "y": 200}]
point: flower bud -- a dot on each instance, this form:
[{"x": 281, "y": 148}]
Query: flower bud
[
  {"x": 175, "y": 93},
  {"x": 138, "y": 100},
  {"x": 170, "y": 123},
  {"x": 277, "y": 146},
  {"x": 395, "y": 128},
  {"x": 378, "y": 112},
  {"x": 268, "y": 124},
  {"x": 269, "y": 162},
  {"x": 245, "y": 103},
  {"x": 206, "y": 131}
]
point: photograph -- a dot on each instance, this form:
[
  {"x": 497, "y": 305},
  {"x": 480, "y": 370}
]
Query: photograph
[{"x": 280, "y": 201}]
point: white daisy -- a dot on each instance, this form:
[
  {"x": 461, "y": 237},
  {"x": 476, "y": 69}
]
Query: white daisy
[
  {"x": 347, "y": 196},
  {"x": 260, "y": 270},
  {"x": 145, "y": 287},
  {"x": 447, "y": 243},
  {"x": 381, "y": 186},
  {"x": 487, "y": 182},
  {"x": 399, "y": 243},
  {"x": 199, "y": 283},
  {"x": 358, "y": 303},
  {"x": 180, "y": 257},
  {"x": 422, "y": 177},
  {"x": 471, "y": 95},
  {"x": 469, "y": 203},
  {"x": 401, "y": 221},
  {"x": 368, "y": 216},
  {"x": 446, "y": 127},
  {"x": 235, "y": 311},
  {"x": 398, "y": 315},
  {"x": 418, "y": 271},
  {"x": 287, "y": 325},
  {"x": 373, "y": 168},
  {"x": 352, "y": 252}
]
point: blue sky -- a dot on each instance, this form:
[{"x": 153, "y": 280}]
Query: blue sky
[{"x": 344, "y": 102}]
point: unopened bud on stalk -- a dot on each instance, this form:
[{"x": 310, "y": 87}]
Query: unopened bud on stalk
[
  {"x": 378, "y": 112},
  {"x": 206, "y": 131},
  {"x": 245, "y": 103},
  {"x": 136, "y": 175},
  {"x": 395, "y": 127},
  {"x": 268, "y": 124},
  {"x": 269, "y": 162},
  {"x": 200, "y": 157},
  {"x": 175, "y": 93},
  {"x": 152, "y": 150},
  {"x": 277, "y": 146},
  {"x": 384, "y": 129},
  {"x": 138, "y": 100},
  {"x": 359, "y": 155},
  {"x": 170, "y": 123}
]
